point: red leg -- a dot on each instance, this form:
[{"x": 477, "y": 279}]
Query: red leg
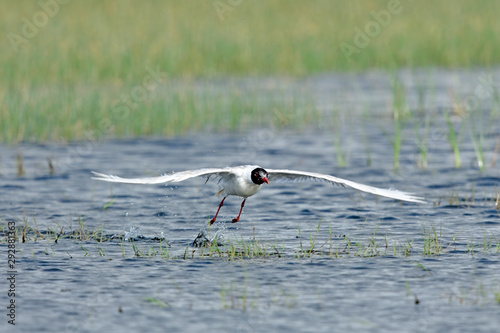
[
  {"x": 238, "y": 218},
  {"x": 220, "y": 205}
]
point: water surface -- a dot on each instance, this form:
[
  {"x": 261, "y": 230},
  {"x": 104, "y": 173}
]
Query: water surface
[{"x": 78, "y": 285}]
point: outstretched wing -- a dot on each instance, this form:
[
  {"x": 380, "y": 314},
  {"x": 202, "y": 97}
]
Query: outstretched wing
[
  {"x": 292, "y": 175},
  {"x": 218, "y": 173}
]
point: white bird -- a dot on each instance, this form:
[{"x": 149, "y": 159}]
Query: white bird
[{"x": 246, "y": 180}]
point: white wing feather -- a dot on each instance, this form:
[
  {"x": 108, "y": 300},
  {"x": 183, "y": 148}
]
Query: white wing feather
[
  {"x": 221, "y": 173},
  {"x": 292, "y": 175},
  {"x": 274, "y": 175}
]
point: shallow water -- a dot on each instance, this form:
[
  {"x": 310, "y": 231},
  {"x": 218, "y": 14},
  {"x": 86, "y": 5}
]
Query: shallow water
[{"x": 78, "y": 285}]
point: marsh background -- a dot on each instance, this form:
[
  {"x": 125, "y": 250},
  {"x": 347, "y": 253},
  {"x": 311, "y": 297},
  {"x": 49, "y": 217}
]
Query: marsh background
[{"x": 401, "y": 94}]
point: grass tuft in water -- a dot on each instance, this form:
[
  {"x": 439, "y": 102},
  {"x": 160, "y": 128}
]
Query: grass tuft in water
[
  {"x": 158, "y": 302},
  {"x": 423, "y": 141},
  {"x": 239, "y": 295},
  {"x": 453, "y": 139},
  {"x": 339, "y": 141},
  {"x": 432, "y": 241},
  {"x": 477, "y": 136},
  {"x": 400, "y": 116}
]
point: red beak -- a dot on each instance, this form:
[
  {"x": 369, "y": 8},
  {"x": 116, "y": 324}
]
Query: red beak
[{"x": 265, "y": 179}]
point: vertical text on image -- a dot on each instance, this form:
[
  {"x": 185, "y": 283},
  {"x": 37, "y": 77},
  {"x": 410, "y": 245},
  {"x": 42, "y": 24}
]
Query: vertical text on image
[{"x": 11, "y": 272}]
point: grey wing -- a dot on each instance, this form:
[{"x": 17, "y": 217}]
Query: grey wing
[
  {"x": 292, "y": 175},
  {"x": 216, "y": 173}
]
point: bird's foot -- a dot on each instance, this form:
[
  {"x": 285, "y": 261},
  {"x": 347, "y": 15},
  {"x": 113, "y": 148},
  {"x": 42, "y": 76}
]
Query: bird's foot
[
  {"x": 235, "y": 220},
  {"x": 212, "y": 221}
]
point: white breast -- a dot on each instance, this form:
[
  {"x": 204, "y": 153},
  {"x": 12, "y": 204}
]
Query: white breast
[{"x": 241, "y": 184}]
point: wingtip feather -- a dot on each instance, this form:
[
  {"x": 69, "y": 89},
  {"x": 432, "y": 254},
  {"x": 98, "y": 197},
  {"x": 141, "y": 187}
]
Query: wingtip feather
[{"x": 102, "y": 176}]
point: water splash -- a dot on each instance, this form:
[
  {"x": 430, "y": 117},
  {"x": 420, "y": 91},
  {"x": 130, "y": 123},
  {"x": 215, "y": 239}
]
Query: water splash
[
  {"x": 132, "y": 234},
  {"x": 205, "y": 238}
]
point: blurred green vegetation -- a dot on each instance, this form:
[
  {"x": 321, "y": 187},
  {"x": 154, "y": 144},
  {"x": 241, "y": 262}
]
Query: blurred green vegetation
[
  {"x": 109, "y": 41},
  {"x": 66, "y": 74}
]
